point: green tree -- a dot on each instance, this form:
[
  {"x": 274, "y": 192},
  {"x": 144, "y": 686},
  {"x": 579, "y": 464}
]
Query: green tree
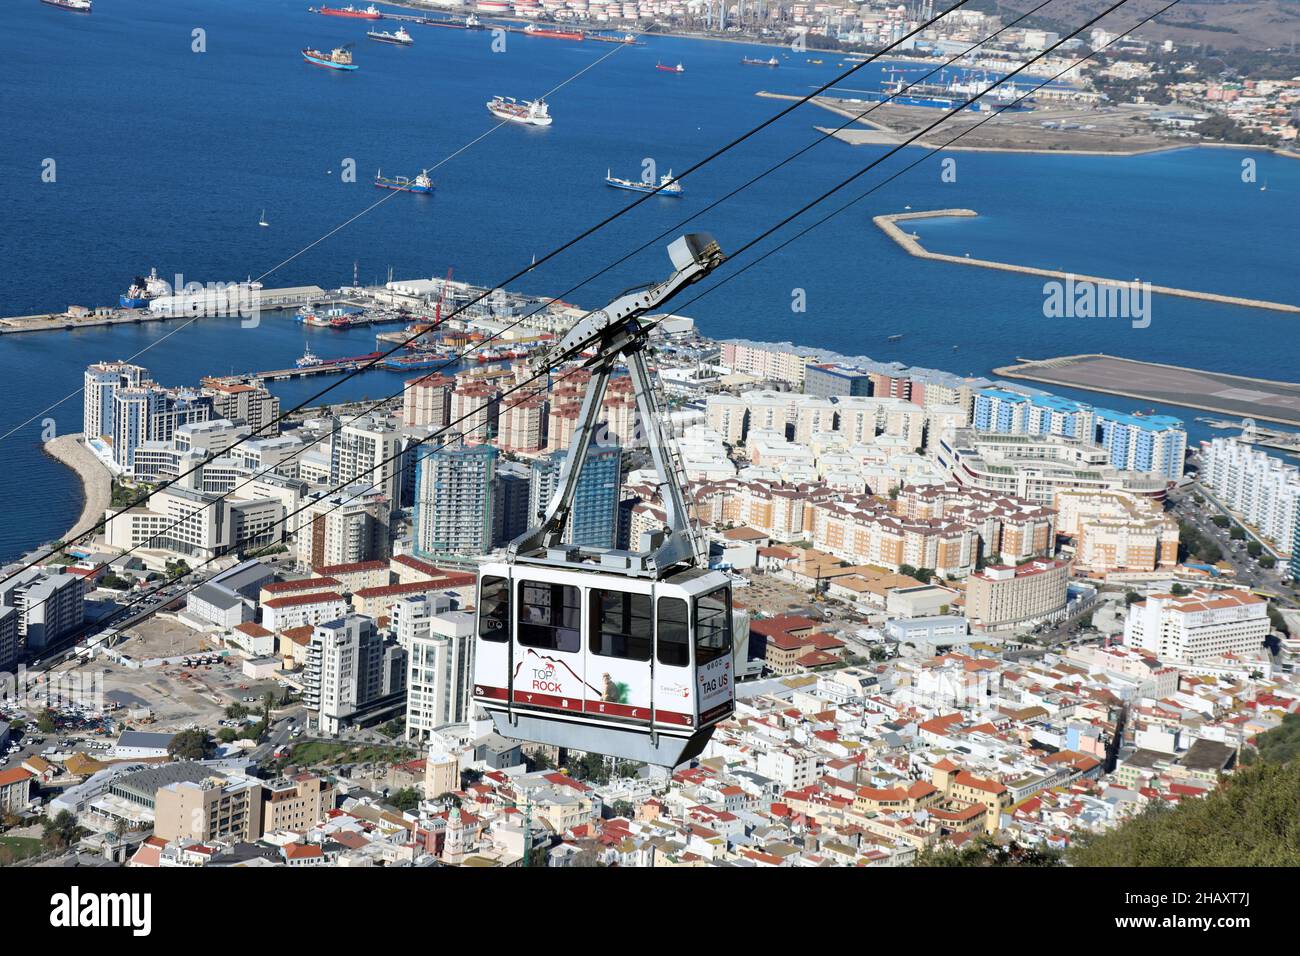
[
  {"x": 1221, "y": 520},
  {"x": 985, "y": 851},
  {"x": 1238, "y": 533},
  {"x": 1267, "y": 561},
  {"x": 192, "y": 744},
  {"x": 1179, "y": 590},
  {"x": 408, "y": 798},
  {"x": 61, "y": 831},
  {"x": 236, "y": 710},
  {"x": 45, "y": 721},
  {"x": 1254, "y": 549},
  {"x": 1131, "y": 598}
]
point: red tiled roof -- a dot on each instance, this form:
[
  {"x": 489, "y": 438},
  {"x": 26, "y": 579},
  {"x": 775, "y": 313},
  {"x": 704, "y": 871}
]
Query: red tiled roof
[{"x": 298, "y": 600}]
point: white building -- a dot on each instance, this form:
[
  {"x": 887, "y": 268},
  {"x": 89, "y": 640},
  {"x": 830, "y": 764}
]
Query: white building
[
  {"x": 1203, "y": 625},
  {"x": 440, "y": 649},
  {"x": 1262, "y": 489}
]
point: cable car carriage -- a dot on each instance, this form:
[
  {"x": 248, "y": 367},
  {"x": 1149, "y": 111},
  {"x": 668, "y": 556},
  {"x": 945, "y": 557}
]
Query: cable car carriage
[{"x": 623, "y": 653}]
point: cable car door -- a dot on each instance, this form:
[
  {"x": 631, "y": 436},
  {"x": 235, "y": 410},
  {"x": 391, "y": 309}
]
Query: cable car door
[
  {"x": 549, "y": 663},
  {"x": 621, "y": 629}
]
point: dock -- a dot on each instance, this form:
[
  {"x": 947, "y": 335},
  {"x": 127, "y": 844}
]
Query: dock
[
  {"x": 1258, "y": 399},
  {"x": 889, "y": 225},
  {"x": 77, "y": 317},
  {"x": 324, "y": 367}
]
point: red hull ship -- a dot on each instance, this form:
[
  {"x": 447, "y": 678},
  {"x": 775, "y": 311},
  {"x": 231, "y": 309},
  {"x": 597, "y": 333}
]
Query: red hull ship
[
  {"x": 535, "y": 31},
  {"x": 370, "y": 13}
]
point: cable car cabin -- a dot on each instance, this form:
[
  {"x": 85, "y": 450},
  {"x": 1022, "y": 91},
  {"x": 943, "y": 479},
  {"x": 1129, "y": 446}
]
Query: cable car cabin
[{"x": 630, "y": 667}]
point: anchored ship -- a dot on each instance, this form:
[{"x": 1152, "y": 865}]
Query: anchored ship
[
  {"x": 142, "y": 290},
  {"x": 339, "y": 58},
  {"x": 670, "y": 69},
  {"x": 529, "y": 112},
  {"x": 369, "y": 13},
  {"x": 667, "y": 185},
  {"x": 533, "y": 30},
  {"x": 747, "y": 61},
  {"x": 77, "y": 6},
  {"x": 400, "y": 37},
  {"x": 420, "y": 184}
]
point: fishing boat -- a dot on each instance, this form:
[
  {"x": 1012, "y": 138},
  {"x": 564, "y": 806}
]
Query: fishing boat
[
  {"x": 529, "y": 112},
  {"x": 670, "y": 69},
  {"x": 749, "y": 61},
  {"x": 420, "y": 184},
  {"x": 667, "y": 185},
  {"x": 401, "y": 37},
  {"x": 339, "y": 58}
]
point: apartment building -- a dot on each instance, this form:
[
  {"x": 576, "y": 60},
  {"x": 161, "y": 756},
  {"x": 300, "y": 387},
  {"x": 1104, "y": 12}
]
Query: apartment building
[
  {"x": 440, "y": 652},
  {"x": 1261, "y": 488},
  {"x": 1113, "y": 531},
  {"x": 296, "y": 803},
  {"x": 1198, "y": 627},
  {"x": 218, "y": 807},
  {"x": 1005, "y": 596}
]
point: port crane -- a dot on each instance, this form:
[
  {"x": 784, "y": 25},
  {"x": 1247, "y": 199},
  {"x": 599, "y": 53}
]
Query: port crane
[{"x": 622, "y": 653}]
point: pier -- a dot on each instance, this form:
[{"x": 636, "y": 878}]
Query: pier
[
  {"x": 1255, "y": 398},
  {"x": 324, "y": 367},
  {"x": 889, "y": 225}
]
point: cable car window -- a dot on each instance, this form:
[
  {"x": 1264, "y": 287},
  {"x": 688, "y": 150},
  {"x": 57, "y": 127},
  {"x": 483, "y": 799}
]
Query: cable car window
[
  {"x": 550, "y": 616},
  {"x": 620, "y": 624},
  {"x": 712, "y": 626},
  {"x": 494, "y": 609},
  {"x": 674, "y": 633}
]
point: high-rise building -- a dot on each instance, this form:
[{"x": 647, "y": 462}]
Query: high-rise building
[
  {"x": 440, "y": 650},
  {"x": 46, "y": 607},
  {"x": 510, "y": 514},
  {"x": 427, "y": 400},
  {"x": 368, "y": 451},
  {"x": 348, "y": 667},
  {"x": 1262, "y": 489},
  {"x": 344, "y": 528},
  {"x": 1003, "y": 596},
  {"x": 1199, "y": 626},
  {"x": 102, "y": 382},
  {"x": 454, "y": 492},
  {"x": 247, "y": 402},
  {"x": 8, "y": 638},
  {"x": 593, "y": 517},
  {"x": 829, "y": 380},
  {"x": 148, "y": 413},
  {"x": 1154, "y": 443}
]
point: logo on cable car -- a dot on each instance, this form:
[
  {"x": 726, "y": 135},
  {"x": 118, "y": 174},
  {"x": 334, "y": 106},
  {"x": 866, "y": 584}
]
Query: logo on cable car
[{"x": 543, "y": 679}]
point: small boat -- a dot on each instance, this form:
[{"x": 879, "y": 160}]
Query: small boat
[
  {"x": 339, "y": 58},
  {"x": 473, "y": 23},
  {"x": 667, "y": 185},
  {"x": 748, "y": 61},
  {"x": 420, "y": 184},
  {"x": 401, "y": 37},
  {"x": 309, "y": 359},
  {"x": 529, "y": 112},
  {"x": 895, "y": 338},
  {"x": 76, "y": 6},
  {"x": 261, "y": 220},
  {"x": 670, "y": 69}
]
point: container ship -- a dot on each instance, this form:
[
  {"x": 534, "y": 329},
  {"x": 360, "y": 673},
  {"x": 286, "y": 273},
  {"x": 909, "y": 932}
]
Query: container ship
[
  {"x": 529, "y": 112},
  {"x": 401, "y": 37},
  {"x": 670, "y": 69},
  {"x": 76, "y": 6},
  {"x": 533, "y": 30},
  {"x": 747, "y": 61},
  {"x": 667, "y": 185},
  {"x": 369, "y": 13},
  {"x": 337, "y": 59},
  {"x": 420, "y": 184},
  {"x": 142, "y": 290}
]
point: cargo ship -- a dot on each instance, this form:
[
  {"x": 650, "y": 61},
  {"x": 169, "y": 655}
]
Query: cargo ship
[
  {"x": 418, "y": 361},
  {"x": 76, "y": 6},
  {"x": 533, "y": 30},
  {"x": 529, "y": 112},
  {"x": 747, "y": 61},
  {"x": 337, "y": 59},
  {"x": 667, "y": 185},
  {"x": 142, "y": 290},
  {"x": 369, "y": 13},
  {"x": 401, "y": 37},
  {"x": 420, "y": 184},
  {"x": 670, "y": 69}
]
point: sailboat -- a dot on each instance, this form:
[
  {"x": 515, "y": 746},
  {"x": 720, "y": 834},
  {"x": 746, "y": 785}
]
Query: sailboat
[
  {"x": 262, "y": 220},
  {"x": 1264, "y": 187}
]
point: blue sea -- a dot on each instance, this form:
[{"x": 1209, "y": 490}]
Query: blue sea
[{"x": 165, "y": 157}]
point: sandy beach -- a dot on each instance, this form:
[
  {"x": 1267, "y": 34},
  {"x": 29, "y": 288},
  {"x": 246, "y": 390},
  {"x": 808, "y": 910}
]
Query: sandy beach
[{"x": 96, "y": 482}]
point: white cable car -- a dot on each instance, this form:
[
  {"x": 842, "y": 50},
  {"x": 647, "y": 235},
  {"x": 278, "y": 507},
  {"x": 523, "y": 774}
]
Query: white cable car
[{"x": 624, "y": 653}]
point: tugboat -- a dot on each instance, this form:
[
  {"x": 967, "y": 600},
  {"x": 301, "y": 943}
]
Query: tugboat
[
  {"x": 420, "y": 184},
  {"x": 401, "y": 37},
  {"x": 529, "y": 112},
  {"x": 667, "y": 185},
  {"x": 670, "y": 69},
  {"x": 309, "y": 359},
  {"x": 339, "y": 58}
]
